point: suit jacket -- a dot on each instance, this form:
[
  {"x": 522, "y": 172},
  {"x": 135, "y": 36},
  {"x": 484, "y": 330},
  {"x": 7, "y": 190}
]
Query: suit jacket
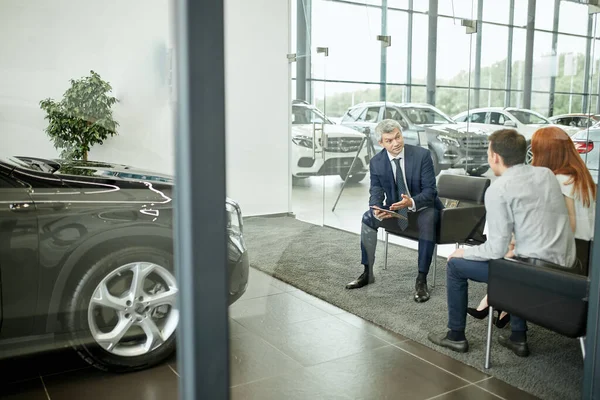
[{"x": 420, "y": 179}]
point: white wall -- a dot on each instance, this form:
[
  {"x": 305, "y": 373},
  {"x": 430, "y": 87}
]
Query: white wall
[
  {"x": 257, "y": 104},
  {"x": 46, "y": 43}
]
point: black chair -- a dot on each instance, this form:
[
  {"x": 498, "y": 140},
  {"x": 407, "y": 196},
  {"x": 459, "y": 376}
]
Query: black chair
[
  {"x": 547, "y": 295},
  {"x": 463, "y": 224}
]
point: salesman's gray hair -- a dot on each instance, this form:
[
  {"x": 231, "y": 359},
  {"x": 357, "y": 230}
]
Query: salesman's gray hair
[{"x": 387, "y": 126}]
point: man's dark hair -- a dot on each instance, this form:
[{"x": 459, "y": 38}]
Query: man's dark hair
[{"x": 510, "y": 145}]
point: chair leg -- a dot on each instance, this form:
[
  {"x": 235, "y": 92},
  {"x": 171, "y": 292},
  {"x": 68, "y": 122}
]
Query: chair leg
[
  {"x": 434, "y": 264},
  {"x": 385, "y": 250},
  {"x": 488, "y": 347},
  {"x": 582, "y": 342}
]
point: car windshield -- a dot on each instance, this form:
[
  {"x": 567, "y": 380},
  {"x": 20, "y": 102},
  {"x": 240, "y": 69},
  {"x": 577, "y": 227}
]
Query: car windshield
[
  {"x": 529, "y": 117},
  {"x": 308, "y": 115},
  {"x": 425, "y": 116}
]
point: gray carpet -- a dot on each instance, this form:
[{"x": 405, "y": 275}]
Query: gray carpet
[{"x": 321, "y": 260}]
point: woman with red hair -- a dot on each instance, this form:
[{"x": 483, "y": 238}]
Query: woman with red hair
[{"x": 553, "y": 148}]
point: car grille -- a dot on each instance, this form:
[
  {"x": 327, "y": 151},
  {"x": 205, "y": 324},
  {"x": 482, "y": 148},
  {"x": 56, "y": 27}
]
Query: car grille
[
  {"x": 342, "y": 145},
  {"x": 478, "y": 143}
]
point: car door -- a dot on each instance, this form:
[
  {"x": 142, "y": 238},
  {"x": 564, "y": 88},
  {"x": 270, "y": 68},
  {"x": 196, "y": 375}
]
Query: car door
[{"x": 19, "y": 269}]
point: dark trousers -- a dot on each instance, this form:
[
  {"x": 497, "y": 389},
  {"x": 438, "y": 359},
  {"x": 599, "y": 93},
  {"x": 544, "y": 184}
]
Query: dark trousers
[
  {"x": 458, "y": 273},
  {"x": 427, "y": 222}
]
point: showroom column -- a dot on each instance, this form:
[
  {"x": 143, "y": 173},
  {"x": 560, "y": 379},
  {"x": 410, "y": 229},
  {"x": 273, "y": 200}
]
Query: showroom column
[
  {"x": 200, "y": 242},
  {"x": 555, "y": 56},
  {"x": 303, "y": 43},
  {"x": 409, "y": 40},
  {"x": 477, "y": 77},
  {"x": 383, "y": 64},
  {"x": 528, "y": 72},
  {"x": 432, "y": 51},
  {"x": 508, "y": 72},
  {"x": 588, "y": 63}
]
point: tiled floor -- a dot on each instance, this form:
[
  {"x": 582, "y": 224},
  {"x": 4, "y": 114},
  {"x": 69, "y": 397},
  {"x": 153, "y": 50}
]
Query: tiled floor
[{"x": 285, "y": 344}]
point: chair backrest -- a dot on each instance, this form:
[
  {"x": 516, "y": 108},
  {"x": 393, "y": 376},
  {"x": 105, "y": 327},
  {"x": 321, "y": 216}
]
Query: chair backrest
[
  {"x": 554, "y": 299},
  {"x": 463, "y": 187},
  {"x": 584, "y": 255}
]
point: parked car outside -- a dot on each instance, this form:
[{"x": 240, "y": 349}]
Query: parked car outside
[
  {"x": 320, "y": 147},
  {"x": 587, "y": 143},
  {"x": 526, "y": 122},
  {"x": 452, "y": 145},
  {"x": 580, "y": 121},
  {"x": 86, "y": 260}
]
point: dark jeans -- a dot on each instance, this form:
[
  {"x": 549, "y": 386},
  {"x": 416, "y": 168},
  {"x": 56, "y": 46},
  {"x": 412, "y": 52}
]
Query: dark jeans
[
  {"x": 458, "y": 273},
  {"x": 427, "y": 221}
]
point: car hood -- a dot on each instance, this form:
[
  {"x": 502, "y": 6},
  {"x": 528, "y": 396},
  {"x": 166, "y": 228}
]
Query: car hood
[
  {"x": 330, "y": 130},
  {"x": 455, "y": 130}
]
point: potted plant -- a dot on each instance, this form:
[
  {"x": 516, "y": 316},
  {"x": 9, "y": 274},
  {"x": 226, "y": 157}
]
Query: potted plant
[{"x": 82, "y": 118}]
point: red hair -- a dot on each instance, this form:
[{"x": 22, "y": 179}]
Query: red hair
[{"x": 553, "y": 148}]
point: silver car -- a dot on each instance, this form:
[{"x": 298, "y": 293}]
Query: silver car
[{"x": 452, "y": 145}]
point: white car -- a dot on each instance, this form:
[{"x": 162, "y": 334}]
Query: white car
[
  {"x": 526, "y": 122},
  {"x": 320, "y": 147}
]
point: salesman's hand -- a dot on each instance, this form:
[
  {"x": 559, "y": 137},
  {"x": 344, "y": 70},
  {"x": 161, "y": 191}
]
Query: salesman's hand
[
  {"x": 458, "y": 253},
  {"x": 406, "y": 202},
  {"x": 381, "y": 214}
]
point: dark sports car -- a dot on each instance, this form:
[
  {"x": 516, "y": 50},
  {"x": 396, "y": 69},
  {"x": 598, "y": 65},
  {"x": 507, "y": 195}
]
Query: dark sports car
[{"x": 86, "y": 260}]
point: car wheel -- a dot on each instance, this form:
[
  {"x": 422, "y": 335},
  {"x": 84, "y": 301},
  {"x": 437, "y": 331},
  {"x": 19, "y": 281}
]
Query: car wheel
[
  {"x": 122, "y": 315},
  {"x": 354, "y": 178},
  {"x": 529, "y": 156}
]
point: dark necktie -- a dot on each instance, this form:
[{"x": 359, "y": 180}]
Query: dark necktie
[{"x": 402, "y": 222}]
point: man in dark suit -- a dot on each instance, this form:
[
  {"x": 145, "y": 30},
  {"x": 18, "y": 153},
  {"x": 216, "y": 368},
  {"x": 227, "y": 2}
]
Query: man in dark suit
[{"x": 404, "y": 177}]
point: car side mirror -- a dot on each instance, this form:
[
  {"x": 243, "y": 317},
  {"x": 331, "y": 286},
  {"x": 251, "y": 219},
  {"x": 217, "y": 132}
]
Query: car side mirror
[
  {"x": 510, "y": 123},
  {"x": 403, "y": 124}
]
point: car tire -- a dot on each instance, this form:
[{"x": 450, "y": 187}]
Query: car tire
[
  {"x": 354, "y": 178},
  {"x": 436, "y": 164},
  {"x": 135, "y": 310},
  {"x": 529, "y": 155}
]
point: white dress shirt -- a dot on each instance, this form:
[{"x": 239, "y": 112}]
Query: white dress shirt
[{"x": 401, "y": 157}]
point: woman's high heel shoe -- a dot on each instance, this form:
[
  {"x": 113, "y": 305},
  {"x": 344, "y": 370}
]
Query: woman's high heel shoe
[
  {"x": 479, "y": 314},
  {"x": 501, "y": 322}
]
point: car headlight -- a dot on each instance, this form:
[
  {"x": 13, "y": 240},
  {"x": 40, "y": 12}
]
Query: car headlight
[
  {"x": 303, "y": 141},
  {"x": 234, "y": 218},
  {"x": 449, "y": 141}
]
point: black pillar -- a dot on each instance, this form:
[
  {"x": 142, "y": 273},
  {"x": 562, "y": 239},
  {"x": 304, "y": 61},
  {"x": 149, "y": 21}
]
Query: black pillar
[{"x": 200, "y": 240}]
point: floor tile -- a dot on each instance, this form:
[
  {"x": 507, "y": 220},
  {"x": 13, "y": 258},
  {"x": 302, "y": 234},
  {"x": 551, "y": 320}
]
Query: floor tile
[
  {"x": 471, "y": 392},
  {"x": 252, "y": 358},
  {"x": 259, "y": 284},
  {"x": 60, "y": 361},
  {"x": 505, "y": 390},
  {"x": 369, "y": 327},
  {"x": 17, "y": 369},
  {"x": 155, "y": 383},
  {"x": 385, "y": 373},
  {"x": 256, "y": 275},
  {"x": 235, "y": 328},
  {"x": 268, "y": 315},
  {"x": 324, "y": 339},
  {"x": 320, "y": 304},
  {"x": 443, "y": 361},
  {"x": 32, "y": 389}
]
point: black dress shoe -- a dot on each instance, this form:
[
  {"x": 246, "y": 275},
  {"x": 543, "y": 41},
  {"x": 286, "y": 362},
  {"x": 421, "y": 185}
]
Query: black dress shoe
[
  {"x": 361, "y": 281},
  {"x": 521, "y": 349},
  {"x": 501, "y": 322},
  {"x": 461, "y": 346},
  {"x": 421, "y": 292}
]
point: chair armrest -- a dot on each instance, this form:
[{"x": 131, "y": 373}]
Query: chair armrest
[
  {"x": 458, "y": 225},
  {"x": 552, "y": 298}
]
